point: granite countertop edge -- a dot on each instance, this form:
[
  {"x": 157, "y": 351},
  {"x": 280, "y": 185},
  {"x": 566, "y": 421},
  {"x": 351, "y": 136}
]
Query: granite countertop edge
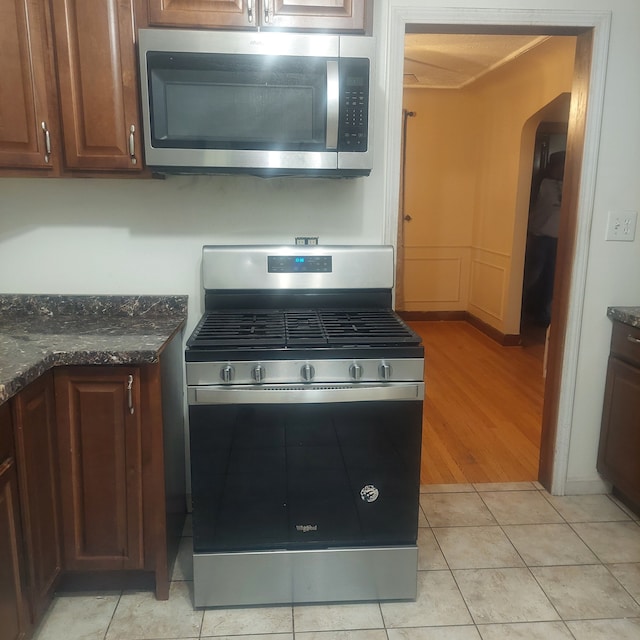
[
  {"x": 38, "y": 332},
  {"x": 626, "y": 315}
]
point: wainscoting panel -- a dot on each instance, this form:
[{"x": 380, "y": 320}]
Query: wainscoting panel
[
  {"x": 488, "y": 286},
  {"x": 435, "y": 280}
]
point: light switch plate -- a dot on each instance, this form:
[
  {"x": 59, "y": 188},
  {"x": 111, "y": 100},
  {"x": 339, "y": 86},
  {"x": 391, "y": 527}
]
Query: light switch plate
[{"x": 621, "y": 226}]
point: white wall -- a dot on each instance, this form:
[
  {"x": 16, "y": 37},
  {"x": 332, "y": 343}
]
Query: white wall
[
  {"x": 145, "y": 236},
  {"x": 132, "y": 236}
]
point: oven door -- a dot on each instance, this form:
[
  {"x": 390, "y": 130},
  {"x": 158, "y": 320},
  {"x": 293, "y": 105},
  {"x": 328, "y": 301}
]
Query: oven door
[{"x": 312, "y": 467}]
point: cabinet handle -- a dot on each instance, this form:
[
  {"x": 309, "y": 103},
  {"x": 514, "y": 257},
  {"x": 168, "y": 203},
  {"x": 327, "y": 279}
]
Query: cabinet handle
[
  {"x": 132, "y": 144},
  {"x": 47, "y": 141},
  {"x": 267, "y": 11},
  {"x": 250, "y": 10},
  {"x": 5, "y": 465},
  {"x": 630, "y": 338},
  {"x": 130, "y": 394}
]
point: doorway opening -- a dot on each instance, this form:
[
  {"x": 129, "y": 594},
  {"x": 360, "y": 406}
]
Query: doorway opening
[
  {"x": 497, "y": 311},
  {"x": 544, "y": 213}
]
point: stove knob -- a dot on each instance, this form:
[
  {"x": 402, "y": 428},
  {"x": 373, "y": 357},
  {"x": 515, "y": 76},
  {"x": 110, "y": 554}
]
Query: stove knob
[
  {"x": 258, "y": 373},
  {"x": 226, "y": 373},
  {"x": 385, "y": 371},
  {"x": 355, "y": 371},
  {"x": 307, "y": 372}
]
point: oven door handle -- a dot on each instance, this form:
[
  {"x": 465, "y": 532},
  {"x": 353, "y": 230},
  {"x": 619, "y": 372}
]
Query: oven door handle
[{"x": 305, "y": 394}]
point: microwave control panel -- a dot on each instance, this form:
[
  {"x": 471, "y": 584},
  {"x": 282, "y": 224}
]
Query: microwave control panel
[{"x": 354, "y": 105}]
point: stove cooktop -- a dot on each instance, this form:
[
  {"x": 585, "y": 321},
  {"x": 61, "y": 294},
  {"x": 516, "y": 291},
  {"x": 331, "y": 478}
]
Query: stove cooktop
[{"x": 277, "y": 328}]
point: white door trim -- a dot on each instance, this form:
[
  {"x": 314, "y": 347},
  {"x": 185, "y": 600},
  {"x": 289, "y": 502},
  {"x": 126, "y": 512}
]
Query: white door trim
[{"x": 396, "y": 17}]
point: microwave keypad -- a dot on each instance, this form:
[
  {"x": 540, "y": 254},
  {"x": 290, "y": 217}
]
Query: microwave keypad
[{"x": 354, "y": 123}]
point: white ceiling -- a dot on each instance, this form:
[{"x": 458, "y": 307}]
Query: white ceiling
[{"x": 452, "y": 61}]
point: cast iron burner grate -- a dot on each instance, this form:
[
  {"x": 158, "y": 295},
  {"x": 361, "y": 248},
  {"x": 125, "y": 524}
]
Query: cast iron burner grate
[
  {"x": 234, "y": 328},
  {"x": 301, "y": 327},
  {"x": 370, "y": 327}
]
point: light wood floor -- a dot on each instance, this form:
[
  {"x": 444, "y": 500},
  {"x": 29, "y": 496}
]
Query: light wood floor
[{"x": 483, "y": 405}]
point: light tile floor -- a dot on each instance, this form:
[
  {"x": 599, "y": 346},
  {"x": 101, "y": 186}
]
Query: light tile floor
[{"x": 497, "y": 562}]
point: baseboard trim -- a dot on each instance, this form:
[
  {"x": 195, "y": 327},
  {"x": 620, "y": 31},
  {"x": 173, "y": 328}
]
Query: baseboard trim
[
  {"x": 586, "y": 486},
  {"x": 505, "y": 340},
  {"x": 429, "y": 316}
]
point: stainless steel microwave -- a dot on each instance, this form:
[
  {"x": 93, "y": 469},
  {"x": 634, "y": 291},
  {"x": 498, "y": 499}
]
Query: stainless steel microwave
[{"x": 268, "y": 104}]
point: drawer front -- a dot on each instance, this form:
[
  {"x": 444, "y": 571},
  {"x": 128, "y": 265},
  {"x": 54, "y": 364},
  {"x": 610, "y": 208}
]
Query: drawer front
[{"x": 625, "y": 343}]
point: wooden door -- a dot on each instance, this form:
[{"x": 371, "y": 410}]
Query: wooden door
[
  {"x": 36, "y": 454},
  {"x": 97, "y": 78},
  {"x": 27, "y": 89},
  {"x": 203, "y": 13},
  {"x": 565, "y": 256},
  {"x": 13, "y": 612},
  {"x": 99, "y": 436}
]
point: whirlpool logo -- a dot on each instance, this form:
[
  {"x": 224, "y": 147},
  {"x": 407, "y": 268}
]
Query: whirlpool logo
[{"x": 305, "y": 528}]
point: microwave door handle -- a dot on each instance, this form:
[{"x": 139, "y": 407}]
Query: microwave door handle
[{"x": 333, "y": 104}]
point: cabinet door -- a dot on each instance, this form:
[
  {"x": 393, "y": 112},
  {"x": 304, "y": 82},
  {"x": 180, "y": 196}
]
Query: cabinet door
[
  {"x": 99, "y": 437},
  {"x": 13, "y": 611},
  {"x": 203, "y": 13},
  {"x": 344, "y": 15},
  {"x": 97, "y": 79},
  {"x": 36, "y": 454},
  {"x": 27, "y": 87},
  {"x": 619, "y": 450}
]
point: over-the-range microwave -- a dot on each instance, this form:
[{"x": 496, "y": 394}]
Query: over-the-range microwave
[{"x": 268, "y": 104}]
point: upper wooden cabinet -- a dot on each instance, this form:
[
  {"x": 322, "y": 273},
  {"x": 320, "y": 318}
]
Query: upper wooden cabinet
[
  {"x": 94, "y": 80},
  {"x": 27, "y": 90},
  {"x": 97, "y": 79},
  {"x": 345, "y": 15}
]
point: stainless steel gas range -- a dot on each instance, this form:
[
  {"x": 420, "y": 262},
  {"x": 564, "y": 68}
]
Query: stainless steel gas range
[{"x": 305, "y": 395}]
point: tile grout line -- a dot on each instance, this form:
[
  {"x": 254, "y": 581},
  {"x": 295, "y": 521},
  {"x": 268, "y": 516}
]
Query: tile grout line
[
  {"x": 455, "y": 581},
  {"x": 528, "y": 568},
  {"x": 113, "y": 615}
]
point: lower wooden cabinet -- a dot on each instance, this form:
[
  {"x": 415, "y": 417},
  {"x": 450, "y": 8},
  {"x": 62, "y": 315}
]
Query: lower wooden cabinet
[
  {"x": 619, "y": 451},
  {"x": 14, "y": 622},
  {"x": 92, "y": 481},
  {"x": 121, "y": 450},
  {"x": 37, "y": 466},
  {"x": 99, "y": 441}
]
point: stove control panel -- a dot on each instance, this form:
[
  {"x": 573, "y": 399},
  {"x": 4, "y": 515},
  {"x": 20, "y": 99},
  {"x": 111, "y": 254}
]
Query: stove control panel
[
  {"x": 363, "y": 370},
  {"x": 299, "y": 264}
]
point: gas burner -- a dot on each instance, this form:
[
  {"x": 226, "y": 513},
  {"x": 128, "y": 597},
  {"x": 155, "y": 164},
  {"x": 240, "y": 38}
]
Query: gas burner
[{"x": 301, "y": 328}]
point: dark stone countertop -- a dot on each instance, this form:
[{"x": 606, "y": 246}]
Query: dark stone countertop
[
  {"x": 627, "y": 315},
  {"x": 38, "y": 332}
]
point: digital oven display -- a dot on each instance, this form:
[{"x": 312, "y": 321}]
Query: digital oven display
[{"x": 299, "y": 264}]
